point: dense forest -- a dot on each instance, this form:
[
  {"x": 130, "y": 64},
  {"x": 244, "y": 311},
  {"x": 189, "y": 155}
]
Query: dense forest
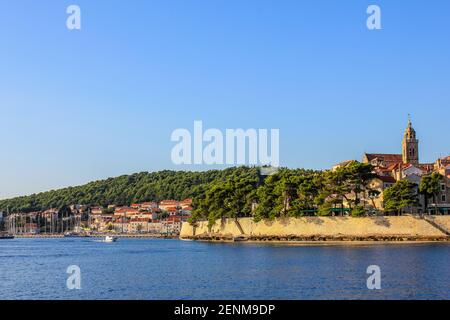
[{"x": 122, "y": 190}]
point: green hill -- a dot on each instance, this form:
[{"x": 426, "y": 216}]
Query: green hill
[{"x": 124, "y": 190}]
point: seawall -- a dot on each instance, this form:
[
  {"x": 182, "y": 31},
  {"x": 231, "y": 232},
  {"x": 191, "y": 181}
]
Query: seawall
[{"x": 404, "y": 228}]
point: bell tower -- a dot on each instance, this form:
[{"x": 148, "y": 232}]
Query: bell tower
[{"x": 410, "y": 145}]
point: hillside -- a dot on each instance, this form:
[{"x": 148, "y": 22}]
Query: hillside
[{"x": 123, "y": 190}]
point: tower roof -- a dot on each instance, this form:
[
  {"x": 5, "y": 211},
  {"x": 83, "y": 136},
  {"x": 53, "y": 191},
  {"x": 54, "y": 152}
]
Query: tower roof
[{"x": 410, "y": 133}]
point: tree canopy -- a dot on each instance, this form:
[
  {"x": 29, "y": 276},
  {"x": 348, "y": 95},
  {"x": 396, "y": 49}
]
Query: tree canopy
[
  {"x": 430, "y": 185},
  {"x": 401, "y": 195},
  {"x": 287, "y": 193}
]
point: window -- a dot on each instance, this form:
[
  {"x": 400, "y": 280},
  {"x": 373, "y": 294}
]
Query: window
[
  {"x": 443, "y": 187},
  {"x": 444, "y": 198}
]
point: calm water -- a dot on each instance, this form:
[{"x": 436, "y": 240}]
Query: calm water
[{"x": 172, "y": 269}]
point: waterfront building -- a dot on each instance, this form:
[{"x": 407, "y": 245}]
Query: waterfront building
[
  {"x": 145, "y": 226},
  {"x": 125, "y": 212}
]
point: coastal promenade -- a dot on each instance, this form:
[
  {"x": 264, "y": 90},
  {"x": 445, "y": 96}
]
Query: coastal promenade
[{"x": 380, "y": 228}]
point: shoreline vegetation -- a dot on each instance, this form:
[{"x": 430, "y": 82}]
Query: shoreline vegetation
[
  {"x": 246, "y": 193},
  {"x": 243, "y": 192}
]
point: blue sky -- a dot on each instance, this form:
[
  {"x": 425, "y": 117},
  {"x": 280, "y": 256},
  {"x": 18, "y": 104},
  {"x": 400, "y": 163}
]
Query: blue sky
[{"x": 83, "y": 105}]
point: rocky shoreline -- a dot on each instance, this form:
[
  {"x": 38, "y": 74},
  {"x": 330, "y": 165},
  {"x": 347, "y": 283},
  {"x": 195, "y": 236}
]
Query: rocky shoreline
[
  {"x": 119, "y": 235},
  {"x": 316, "y": 238}
]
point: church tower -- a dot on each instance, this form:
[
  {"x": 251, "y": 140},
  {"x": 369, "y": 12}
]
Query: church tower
[{"x": 410, "y": 146}]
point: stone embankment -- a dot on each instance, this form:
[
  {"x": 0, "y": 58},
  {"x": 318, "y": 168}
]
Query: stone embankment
[{"x": 310, "y": 229}]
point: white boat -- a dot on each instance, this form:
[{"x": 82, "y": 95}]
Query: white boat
[{"x": 110, "y": 239}]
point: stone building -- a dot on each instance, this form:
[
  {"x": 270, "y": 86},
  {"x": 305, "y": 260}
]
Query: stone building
[{"x": 393, "y": 167}]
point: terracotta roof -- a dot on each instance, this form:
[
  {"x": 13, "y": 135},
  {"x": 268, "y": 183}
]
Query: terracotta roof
[
  {"x": 394, "y": 166},
  {"x": 426, "y": 167},
  {"x": 388, "y": 158}
]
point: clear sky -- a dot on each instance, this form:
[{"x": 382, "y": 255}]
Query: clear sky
[{"x": 83, "y": 105}]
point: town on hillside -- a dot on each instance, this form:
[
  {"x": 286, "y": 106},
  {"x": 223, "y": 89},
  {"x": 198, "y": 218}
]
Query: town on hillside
[
  {"x": 149, "y": 218},
  {"x": 393, "y": 168},
  {"x": 394, "y": 184}
]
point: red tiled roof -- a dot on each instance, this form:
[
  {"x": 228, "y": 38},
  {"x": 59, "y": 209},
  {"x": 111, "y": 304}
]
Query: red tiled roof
[
  {"x": 126, "y": 210},
  {"x": 428, "y": 167},
  {"x": 388, "y": 158}
]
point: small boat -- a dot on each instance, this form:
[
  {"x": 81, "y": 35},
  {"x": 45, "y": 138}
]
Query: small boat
[
  {"x": 110, "y": 239},
  {"x": 6, "y": 236}
]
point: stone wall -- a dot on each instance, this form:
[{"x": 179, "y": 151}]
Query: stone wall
[{"x": 330, "y": 227}]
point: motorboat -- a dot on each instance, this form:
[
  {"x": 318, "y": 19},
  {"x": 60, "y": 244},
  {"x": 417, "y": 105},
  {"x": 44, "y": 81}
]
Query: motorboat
[{"x": 110, "y": 239}]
